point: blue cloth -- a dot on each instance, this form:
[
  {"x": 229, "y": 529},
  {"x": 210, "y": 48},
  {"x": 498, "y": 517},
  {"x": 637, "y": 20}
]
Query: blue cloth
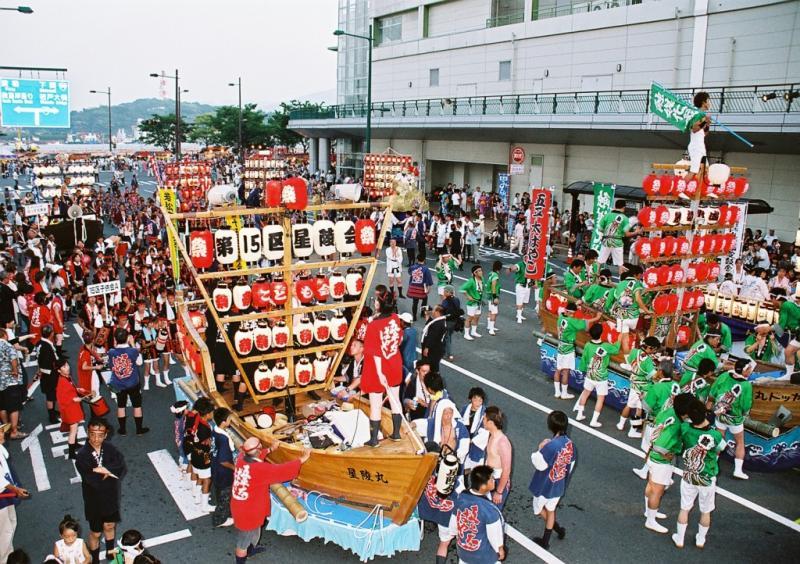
[
  {"x": 476, "y": 454},
  {"x": 10, "y": 476},
  {"x": 365, "y": 534},
  {"x": 408, "y": 349},
  {"x": 124, "y": 372},
  {"x": 560, "y": 455},
  {"x": 432, "y": 506},
  {"x": 472, "y": 515},
  {"x": 221, "y": 451}
]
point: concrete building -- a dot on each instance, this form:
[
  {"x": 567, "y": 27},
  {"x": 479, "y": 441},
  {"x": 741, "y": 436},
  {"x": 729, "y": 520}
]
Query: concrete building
[{"x": 459, "y": 83}]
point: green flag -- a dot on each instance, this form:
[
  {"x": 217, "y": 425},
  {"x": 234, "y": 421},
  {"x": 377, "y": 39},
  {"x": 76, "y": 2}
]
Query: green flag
[
  {"x": 672, "y": 109},
  {"x": 603, "y": 203}
]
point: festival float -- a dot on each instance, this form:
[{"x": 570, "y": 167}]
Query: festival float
[
  {"x": 285, "y": 285},
  {"x": 687, "y": 232}
]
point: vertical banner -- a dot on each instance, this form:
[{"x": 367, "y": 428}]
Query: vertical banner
[
  {"x": 170, "y": 204},
  {"x": 503, "y": 186},
  {"x": 536, "y": 255},
  {"x": 728, "y": 262},
  {"x": 603, "y": 203},
  {"x": 235, "y": 223}
]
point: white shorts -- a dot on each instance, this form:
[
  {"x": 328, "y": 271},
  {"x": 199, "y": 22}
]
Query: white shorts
[
  {"x": 689, "y": 492},
  {"x": 660, "y": 473},
  {"x": 696, "y": 158},
  {"x": 601, "y": 387},
  {"x": 202, "y": 473},
  {"x": 541, "y": 502},
  {"x": 523, "y": 294},
  {"x": 493, "y": 309},
  {"x": 634, "y": 399},
  {"x": 614, "y": 252},
  {"x": 473, "y": 310},
  {"x": 646, "y": 441},
  {"x": 628, "y": 325},
  {"x": 734, "y": 429},
  {"x": 445, "y": 533},
  {"x": 565, "y": 361},
  {"x": 393, "y": 271}
]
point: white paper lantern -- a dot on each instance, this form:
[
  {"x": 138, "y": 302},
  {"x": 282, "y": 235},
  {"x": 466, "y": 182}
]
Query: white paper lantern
[
  {"x": 272, "y": 242},
  {"x": 324, "y": 237},
  {"x": 345, "y": 236},
  {"x": 280, "y": 335},
  {"x": 243, "y": 340},
  {"x": 321, "y": 366},
  {"x": 226, "y": 246},
  {"x": 682, "y": 172},
  {"x": 337, "y": 286},
  {"x": 280, "y": 376},
  {"x": 354, "y": 282},
  {"x": 262, "y": 335},
  {"x": 222, "y": 298},
  {"x": 338, "y": 326},
  {"x": 303, "y": 372},
  {"x": 718, "y": 173},
  {"x": 250, "y": 244},
  {"x": 302, "y": 240},
  {"x": 262, "y": 378},
  {"x": 304, "y": 332},
  {"x": 242, "y": 296},
  {"x": 322, "y": 328}
]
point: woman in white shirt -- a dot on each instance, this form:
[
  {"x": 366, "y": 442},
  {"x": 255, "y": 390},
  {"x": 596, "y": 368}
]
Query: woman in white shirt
[
  {"x": 781, "y": 281},
  {"x": 394, "y": 267},
  {"x": 754, "y": 286}
]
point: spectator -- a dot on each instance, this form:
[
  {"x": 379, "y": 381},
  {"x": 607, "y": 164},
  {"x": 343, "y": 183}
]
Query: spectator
[
  {"x": 69, "y": 403},
  {"x": 433, "y": 337},
  {"x": 761, "y": 255},
  {"x": 12, "y": 388},
  {"x": 47, "y": 371},
  {"x": 9, "y": 484},
  {"x": 70, "y": 547},
  {"x": 125, "y": 362},
  {"x": 420, "y": 281},
  {"x": 451, "y": 306},
  {"x": 222, "y": 468}
]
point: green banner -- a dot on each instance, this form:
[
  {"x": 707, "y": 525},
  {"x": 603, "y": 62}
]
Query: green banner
[
  {"x": 673, "y": 109},
  {"x": 603, "y": 203}
]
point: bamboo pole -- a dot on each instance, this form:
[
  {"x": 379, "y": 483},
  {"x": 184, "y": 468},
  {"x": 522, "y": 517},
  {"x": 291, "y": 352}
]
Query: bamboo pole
[
  {"x": 288, "y": 352},
  {"x": 293, "y": 267},
  {"x": 233, "y": 211},
  {"x": 287, "y": 311},
  {"x": 670, "y": 166},
  {"x": 287, "y": 277}
]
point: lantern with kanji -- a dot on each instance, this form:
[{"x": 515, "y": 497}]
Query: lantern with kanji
[
  {"x": 304, "y": 290},
  {"x": 662, "y": 215},
  {"x": 742, "y": 186},
  {"x": 699, "y": 245},
  {"x": 280, "y": 291},
  {"x": 677, "y": 274},
  {"x": 354, "y": 282},
  {"x": 303, "y": 372},
  {"x": 262, "y": 293},
  {"x": 226, "y": 246},
  {"x": 201, "y": 248},
  {"x": 655, "y": 247},
  {"x": 324, "y": 237},
  {"x": 683, "y": 335},
  {"x": 688, "y": 301},
  {"x": 650, "y": 277},
  {"x": 222, "y": 298},
  {"x": 652, "y": 185},
  {"x": 302, "y": 243},
  {"x": 673, "y": 303},
  {"x": 366, "y": 237},
  {"x": 280, "y": 334},
  {"x": 242, "y": 295},
  {"x": 692, "y": 187},
  {"x": 304, "y": 332},
  {"x": 661, "y": 304},
  {"x": 262, "y": 378},
  {"x": 339, "y": 326},
  {"x": 337, "y": 286},
  {"x": 273, "y": 193},
  {"x": 321, "y": 290},
  {"x": 250, "y": 242},
  {"x": 713, "y": 271},
  {"x": 683, "y": 246},
  {"x": 262, "y": 335},
  {"x": 699, "y": 299},
  {"x": 647, "y": 216},
  {"x": 664, "y": 275},
  {"x": 294, "y": 194},
  {"x": 344, "y": 233},
  {"x": 729, "y": 188},
  {"x": 671, "y": 244},
  {"x": 679, "y": 186},
  {"x": 321, "y": 365},
  {"x": 322, "y": 328},
  {"x": 691, "y": 273},
  {"x": 243, "y": 340},
  {"x": 280, "y": 375},
  {"x": 643, "y": 248},
  {"x": 272, "y": 240}
]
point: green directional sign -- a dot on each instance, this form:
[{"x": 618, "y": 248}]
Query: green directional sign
[{"x": 34, "y": 103}]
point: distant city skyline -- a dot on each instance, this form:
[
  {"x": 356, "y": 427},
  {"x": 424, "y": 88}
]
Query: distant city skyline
[{"x": 279, "y": 48}]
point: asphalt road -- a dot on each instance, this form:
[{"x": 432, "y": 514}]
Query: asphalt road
[{"x": 602, "y": 509}]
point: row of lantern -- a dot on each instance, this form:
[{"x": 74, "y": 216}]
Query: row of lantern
[
  {"x": 754, "y": 311},
  {"x": 656, "y": 247},
  {"x": 675, "y": 185},
  {"x": 292, "y": 193},
  {"x": 277, "y": 377},
  {"x": 187, "y": 169},
  {"x": 79, "y": 180},
  {"x": 48, "y": 181},
  {"x": 193, "y": 182},
  {"x": 80, "y": 169},
  {"x": 670, "y": 303},
  {"x": 663, "y": 216},
  {"x": 260, "y": 337},
  {"x": 323, "y": 237},
  {"x": 43, "y": 170},
  {"x": 697, "y": 272},
  {"x": 265, "y": 294}
]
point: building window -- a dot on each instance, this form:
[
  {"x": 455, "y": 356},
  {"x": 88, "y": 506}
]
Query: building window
[
  {"x": 505, "y": 12},
  {"x": 389, "y": 29},
  {"x": 505, "y": 71},
  {"x": 434, "y": 77}
]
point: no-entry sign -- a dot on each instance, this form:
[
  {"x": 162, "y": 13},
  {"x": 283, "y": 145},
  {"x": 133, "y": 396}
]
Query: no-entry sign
[{"x": 517, "y": 155}]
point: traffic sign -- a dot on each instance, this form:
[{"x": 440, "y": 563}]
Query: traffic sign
[
  {"x": 34, "y": 103},
  {"x": 517, "y": 155}
]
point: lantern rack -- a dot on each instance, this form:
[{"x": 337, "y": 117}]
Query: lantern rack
[
  {"x": 290, "y": 351},
  {"x": 675, "y": 166},
  {"x": 239, "y": 272},
  {"x": 681, "y": 257},
  {"x": 282, "y": 312}
]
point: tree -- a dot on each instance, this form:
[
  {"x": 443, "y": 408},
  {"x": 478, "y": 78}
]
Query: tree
[
  {"x": 254, "y": 129},
  {"x": 160, "y": 131},
  {"x": 278, "y": 123},
  {"x": 204, "y": 130}
]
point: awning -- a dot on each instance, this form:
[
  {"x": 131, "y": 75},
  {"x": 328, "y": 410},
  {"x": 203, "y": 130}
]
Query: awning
[{"x": 636, "y": 194}]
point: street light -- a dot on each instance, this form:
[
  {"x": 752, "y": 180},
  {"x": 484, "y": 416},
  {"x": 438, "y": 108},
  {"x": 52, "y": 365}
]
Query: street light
[
  {"x": 108, "y": 93},
  {"x": 240, "y": 147},
  {"x": 20, "y": 9},
  {"x": 370, "y": 40},
  {"x": 177, "y": 110}
]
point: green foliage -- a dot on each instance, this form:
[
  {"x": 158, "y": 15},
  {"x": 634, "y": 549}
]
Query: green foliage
[
  {"x": 278, "y": 123},
  {"x": 160, "y": 131},
  {"x": 222, "y": 127}
]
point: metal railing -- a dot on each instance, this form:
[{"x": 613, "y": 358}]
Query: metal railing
[
  {"x": 760, "y": 99},
  {"x": 507, "y": 19},
  {"x": 580, "y": 8}
]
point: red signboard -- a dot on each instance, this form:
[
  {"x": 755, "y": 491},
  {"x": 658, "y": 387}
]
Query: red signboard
[
  {"x": 517, "y": 155},
  {"x": 536, "y": 256}
]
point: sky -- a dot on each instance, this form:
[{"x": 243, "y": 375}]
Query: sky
[{"x": 278, "y": 47}]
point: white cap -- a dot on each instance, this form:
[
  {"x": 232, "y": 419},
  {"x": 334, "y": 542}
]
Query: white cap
[{"x": 405, "y": 316}]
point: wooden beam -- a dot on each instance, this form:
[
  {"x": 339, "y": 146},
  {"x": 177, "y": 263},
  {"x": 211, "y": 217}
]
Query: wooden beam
[
  {"x": 287, "y": 311},
  {"x": 291, "y": 352},
  {"x": 218, "y": 213},
  {"x": 342, "y": 263},
  {"x": 671, "y": 166}
]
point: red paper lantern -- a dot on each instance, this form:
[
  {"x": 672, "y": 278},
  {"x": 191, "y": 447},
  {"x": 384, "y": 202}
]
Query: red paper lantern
[
  {"x": 713, "y": 271},
  {"x": 699, "y": 299},
  {"x": 688, "y": 301},
  {"x": 664, "y": 275},
  {"x": 650, "y": 277},
  {"x": 262, "y": 293},
  {"x": 673, "y": 303},
  {"x": 666, "y": 184},
  {"x": 305, "y": 290},
  {"x": 661, "y": 304},
  {"x": 662, "y": 215},
  {"x": 691, "y": 273},
  {"x": 321, "y": 289},
  {"x": 683, "y": 334},
  {"x": 708, "y": 190},
  {"x": 670, "y": 246},
  {"x": 702, "y": 269},
  {"x": 652, "y": 185},
  {"x": 294, "y": 194},
  {"x": 712, "y": 244},
  {"x": 274, "y": 190},
  {"x": 280, "y": 292},
  {"x": 677, "y": 274},
  {"x": 201, "y": 248},
  {"x": 647, "y": 216},
  {"x": 729, "y": 188},
  {"x": 678, "y": 185},
  {"x": 683, "y": 246},
  {"x": 699, "y": 245},
  {"x": 742, "y": 186},
  {"x": 366, "y": 236},
  {"x": 723, "y": 215},
  {"x": 643, "y": 248},
  {"x": 655, "y": 247},
  {"x": 692, "y": 187}
]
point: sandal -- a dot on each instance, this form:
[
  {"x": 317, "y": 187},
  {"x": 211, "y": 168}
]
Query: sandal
[{"x": 18, "y": 436}]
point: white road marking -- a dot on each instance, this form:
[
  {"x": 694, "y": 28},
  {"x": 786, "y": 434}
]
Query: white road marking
[
  {"x": 30, "y": 364},
  {"x": 170, "y": 474},
  {"x": 32, "y": 388},
  {"x": 58, "y": 437},
  {"x": 31, "y": 443},
  {"x": 531, "y": 546},
  {"x": 53, "y": 426},
  {"x": 624, "y": 446},
  {"x": 76, "y": 479},
  {"x": 163, "y": 539}
]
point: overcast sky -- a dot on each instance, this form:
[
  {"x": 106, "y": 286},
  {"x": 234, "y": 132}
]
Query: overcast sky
[{"x": 278, "y": 47}]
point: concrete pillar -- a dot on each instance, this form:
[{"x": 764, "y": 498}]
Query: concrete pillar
[
  {"x": 324, "y": 154},
  {"x": 313, "y": 154},
  {"x": 458, "y": 174}
]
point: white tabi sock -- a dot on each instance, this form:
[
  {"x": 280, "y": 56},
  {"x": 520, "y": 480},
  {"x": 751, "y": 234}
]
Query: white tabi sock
[
  {"x": 700, "y": 538},
  {"x": 595, "y": 417},
  {"x": 557, "y": 386},
  {"x": 681, "y": 533},
  {"x": 564, "y": 390}
]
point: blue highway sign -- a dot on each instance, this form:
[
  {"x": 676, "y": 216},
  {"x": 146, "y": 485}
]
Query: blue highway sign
[{"x": 34, "y": 103}]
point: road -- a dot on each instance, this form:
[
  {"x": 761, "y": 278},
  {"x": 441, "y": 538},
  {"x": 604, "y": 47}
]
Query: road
[{"x": 602, "y": 509}]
